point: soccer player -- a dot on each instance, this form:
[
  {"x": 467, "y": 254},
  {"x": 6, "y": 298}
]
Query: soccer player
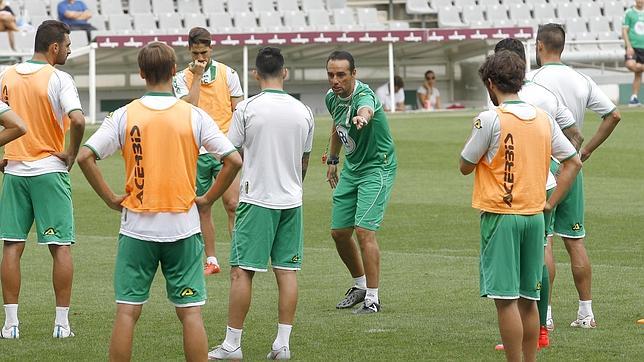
[
  {"x": 13, "y": 126},
  {"x": 160, "y": 137},
  {"x": 510, "y": 149},
  {"x": 633, "y": 35},
  {"x": 271, "y": 128},
  {"x": 217, "y": 93},
  {"x": 362, "y": 191},
  {"x": 577, "y": 92},
  {"x": 544, "y": 99},
  {"x": 36, "y": 183}
]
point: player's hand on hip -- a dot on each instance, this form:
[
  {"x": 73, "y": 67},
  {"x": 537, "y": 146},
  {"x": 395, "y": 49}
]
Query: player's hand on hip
[
  {"x": 3, "y": 164},
  {"x": 116, "y": 201},
  {"x": 359, "y": 121},
  {"x": 332, "y": 175},
  {"x": 69, "y": 159},
  {"x": 584, "y": 154},
  {"x": 198, "y": 67},
  {"x": 547, "y": 207}
]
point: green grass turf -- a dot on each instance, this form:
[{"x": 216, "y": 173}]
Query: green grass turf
[{"x": 429, "y": 243}]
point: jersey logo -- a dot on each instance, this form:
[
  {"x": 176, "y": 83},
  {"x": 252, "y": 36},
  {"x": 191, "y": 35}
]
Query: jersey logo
[
  {"x": 296, "y": 259},
  {"x": 538, "y": 286},
  {"x": 137, "y": 150},
  {"x": 50, "y": 232},
  {"x": 187, "y": 292},
  {"x": 477, "y": 124},
  {"x": 576, "y": 227},
  {"x": 348, "y": 142},
  {"x": 508, "y": 176}
]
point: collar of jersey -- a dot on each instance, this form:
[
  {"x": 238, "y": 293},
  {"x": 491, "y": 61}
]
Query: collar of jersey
[
  {"x": 35, "y": 61},
  {"x": 273, "y": 90},
  {"x": 517, "y": 101},
  {"x": 158, "y": 94},
  {"x": 553, "y": 63},
  {"x": 355, "y": 88}
]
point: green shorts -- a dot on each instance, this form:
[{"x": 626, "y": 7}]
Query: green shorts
[
  {"x": 569, "y": 214},
  {"x": 548, "y": 220},
  {"x": 46, "y": 199},
  {"x": 137, "y": 262},
  {"x": 360, "y": 201},
  {"x": 261, "y": 233},
  {"x": 511, "y": 256},
  {"x": 207, "y": 169}
]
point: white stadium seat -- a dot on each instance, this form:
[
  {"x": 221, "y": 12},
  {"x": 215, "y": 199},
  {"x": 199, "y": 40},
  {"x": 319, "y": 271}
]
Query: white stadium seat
[
  {"x": 344, "y": 19},
  {"x": 498, "y": 14},
  {"x": 567, "y": 11},
  {"x": 170, "y": 23},
  {"x": 221, "y": 21},
  {"x": 78, "y": 39},
  {"x": 448, "y": 18},
  {"x": 295, "y": 20},
  {"x": 98, "y": 21},
  {"x": 368, "y": 18},
  {"x": 260, "y": 6},
  {"x": 588, "y": 48},
  {"x": 38, "y": 9},
  {"x": 163, "y": 6},
  {"x": 613, "y": 8},
  {"x": 319, "y": 19},
  {"x": 271, "y": 21},
  {"x": 599, "y": 24},
  {"x": 25, "y": 41},
  {"x": 119, "y": 22},
  {"x": 519, "y": 12},
  {"x": 238, "y": 6},
  {"x": 111, "y": 7},
  {"x": 463, "y": 3},
  {"x": 246, "y": 22},
  {"x": 312, "y": 5},
  {"x": 189, "y": 6},
  {"x": 336, "y": 4},
  {"x": 576, "y": 26},
  {"x": 287, "y": 5},
  {"x": 418, "y": 7},
  {"x": 194, "y": 20},
  {"x": 544, "y": 11},
  {"x": 590, "y": 10},
  {"x": 473, "y": 16},
  {"x": 140, "y": 7},
  {"x": 213, "y": 6},
  {"x": 144, "y": 23}
]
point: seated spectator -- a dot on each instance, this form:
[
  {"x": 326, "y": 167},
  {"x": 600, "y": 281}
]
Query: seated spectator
[
  {"x": 75, "y": 14},
  {"x": 8, "y": 23},
  {"x": 399, "y": 94},
  {"x": 427, "y": 95}
]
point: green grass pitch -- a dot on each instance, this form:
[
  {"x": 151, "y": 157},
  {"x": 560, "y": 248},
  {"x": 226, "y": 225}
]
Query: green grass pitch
[{"x": 429, "y": 244}]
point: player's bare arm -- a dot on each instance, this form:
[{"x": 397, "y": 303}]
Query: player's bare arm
[
  {"x": 197, "y": 68},
  {"x": 87, "y": 164},
  {"x": 567, "y": 173},
  {"x": 234, "y": 101},
  {"x": 627, "y": 42},
  {"x": 574, "y": 136},
  {"x": 77, "y": 129},
  {"x": 14, "y": 127},
  {"x": 305, "y": 163},
  {"x": 604, "y": 130},
  {"x": 363, "y": 117},
  {"x": 334, "y": 158},
  {"x": 232, "y": 164}
]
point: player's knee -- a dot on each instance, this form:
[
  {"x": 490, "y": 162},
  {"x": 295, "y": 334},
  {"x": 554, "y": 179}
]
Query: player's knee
[
  {"x": 231, "y": 205},
  {"x": 341, "y": 235}
]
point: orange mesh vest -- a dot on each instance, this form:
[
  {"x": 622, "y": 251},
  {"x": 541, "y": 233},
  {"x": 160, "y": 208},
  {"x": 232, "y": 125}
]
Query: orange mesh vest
[
  {"x": 515, "y": 181},
  {"x": 27, "y": 95},
  {"x": 160, "y": 158},
  {"x": 214, "y": 97}
]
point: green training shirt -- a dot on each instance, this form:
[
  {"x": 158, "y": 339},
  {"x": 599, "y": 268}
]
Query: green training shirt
[
  {"x": 634, "y": 21},
  {"x": 371, "y": 147}
]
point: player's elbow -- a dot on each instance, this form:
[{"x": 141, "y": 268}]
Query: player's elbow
[
  {"x": 574, "y": 164},
  {"x": 234, "y": 161},
  {"x": 85, "y": 157},
  {"x": 465, "y": 167},
  {"x": 614, "y": 117},
  {"x": 77, "y": 119}
]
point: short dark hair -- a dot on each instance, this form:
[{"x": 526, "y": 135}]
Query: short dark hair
[
  {"x": 342, "y": 55},
  {"x": 398, "y": 82},
  {"x": 269, "y": 62},
  {"x": 511, "y": 44},
  {"x": 156, "y": 61},
  {"x": 553, "y": 37},
  {"x": 199, "y": 35},
  {"x": 429, "y": 72},
  {"x": 48, "y": 33},
  {"x": 505, "y": 69}
]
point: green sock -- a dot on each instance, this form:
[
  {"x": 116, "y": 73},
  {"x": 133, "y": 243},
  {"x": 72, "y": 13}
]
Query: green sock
[{"x": 542, "y": 304}]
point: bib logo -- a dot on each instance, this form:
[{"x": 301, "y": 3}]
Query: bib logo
[
  {"x": 508, "y": 177},
  {"x": 188, "y": 292},
  {"x": 576, "y": 227},
  {"x": 137, "y": 149},
  {"x": 5, "y": 95},
  {"x": 50, "y": 232},
  {"x": 477, "y": 124}
]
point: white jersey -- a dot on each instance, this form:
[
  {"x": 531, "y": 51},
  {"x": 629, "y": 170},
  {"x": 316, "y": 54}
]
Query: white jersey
[
  {"x": 383, "y": 95},
  {"x": 575, "y": 90},
  {"x": 162, "y": 226},
  {"x": 486, "y": 135},
  {"x": 4, "y": 108},
  {"x": 541, "y": 97},
  {"x": 181, "y": 88},
  {"x": 273, "y": 130},
  {"x": 64, "y": 99}
]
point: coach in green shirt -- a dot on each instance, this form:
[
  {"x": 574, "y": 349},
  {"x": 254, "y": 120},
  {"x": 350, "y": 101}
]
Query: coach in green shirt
[{"x": 362, "y": 191}]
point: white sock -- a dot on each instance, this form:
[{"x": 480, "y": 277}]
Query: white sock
[
  {"x": 10, "y": 315},
  {"x": 233, "y": 339},
  {"x": 372, "y": 295},
  {"x": 283, "y": 336},
  {"x": 212, "y": 260},
  {"x": 61, "y": 316},
  {"x": 360, "y": 282},
  {"x": 585, "y": 308},
  {"x": 549, "y": 313}
]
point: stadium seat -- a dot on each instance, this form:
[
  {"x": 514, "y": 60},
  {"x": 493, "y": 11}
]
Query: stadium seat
[
  {"x": 295, "y": 20},
  {"x": 613, "y": 8},
  {"x": 448, "y": 18},
  {"x": 111, "y": 7},
  {"x": 213, "y": 6},
  {"x": 461, "y": 4},
  {"x": 599, "y": 24},
  {"x": 312, "y": 5},
  {"x": 260, "y": 6},
  {"x": 611, "y": 46},
  {"x": 287, "y": 5},
  {"x": 555, "y": 2},
  {"x": 119, "y": 22},
  {"x": 489, "y": 2},
  {"x": 189, "y": 6},
  {"x": 25, "y": 41},
  {"x": 144, "y": 23},
  {"x": 336, "y": 4},
  {"x": 398, "y": 25},
  {"x": 419, "y": 7},
  {"x": 271, "y": 21},
  {"x": 436, "y": 4},
  {"x": 78, "y": 39},
  {"x": 246, "y": 22},
  {"x": 576, "y": 26},
  {"x": 590, "y": 10},
  {"x": 567, "y": 11},
  {"x": 38, "y": 8},
  {"x": 170, "y": 23},
  {"x": 4, "y": 42},
  {"x": 544, "y": 12},
  {"x": 221, "y": 21},
  {"x": 497, "y": 15},
  {"x": 473, "y": 16},
  {"x": 98, "y": 21},
  {"x": 38, "y": 19},
  {"x": 194, "y": 20},
  {"x": 344, "y": 19},
  {"x": 163, "y": 6},
  {"x": 140, "y": 7},
  {"x": 618, "y": 24},
  {"x": 519, "y": 12},
  {"x": 587, "y": 48},
  {"x": 319, "y": 19},
  {"x": 238, "y": 6},
  {"x": 368, "y": 18}
]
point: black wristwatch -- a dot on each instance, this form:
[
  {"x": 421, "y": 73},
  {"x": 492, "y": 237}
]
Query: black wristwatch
[{"x": 333, "y": 160}]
